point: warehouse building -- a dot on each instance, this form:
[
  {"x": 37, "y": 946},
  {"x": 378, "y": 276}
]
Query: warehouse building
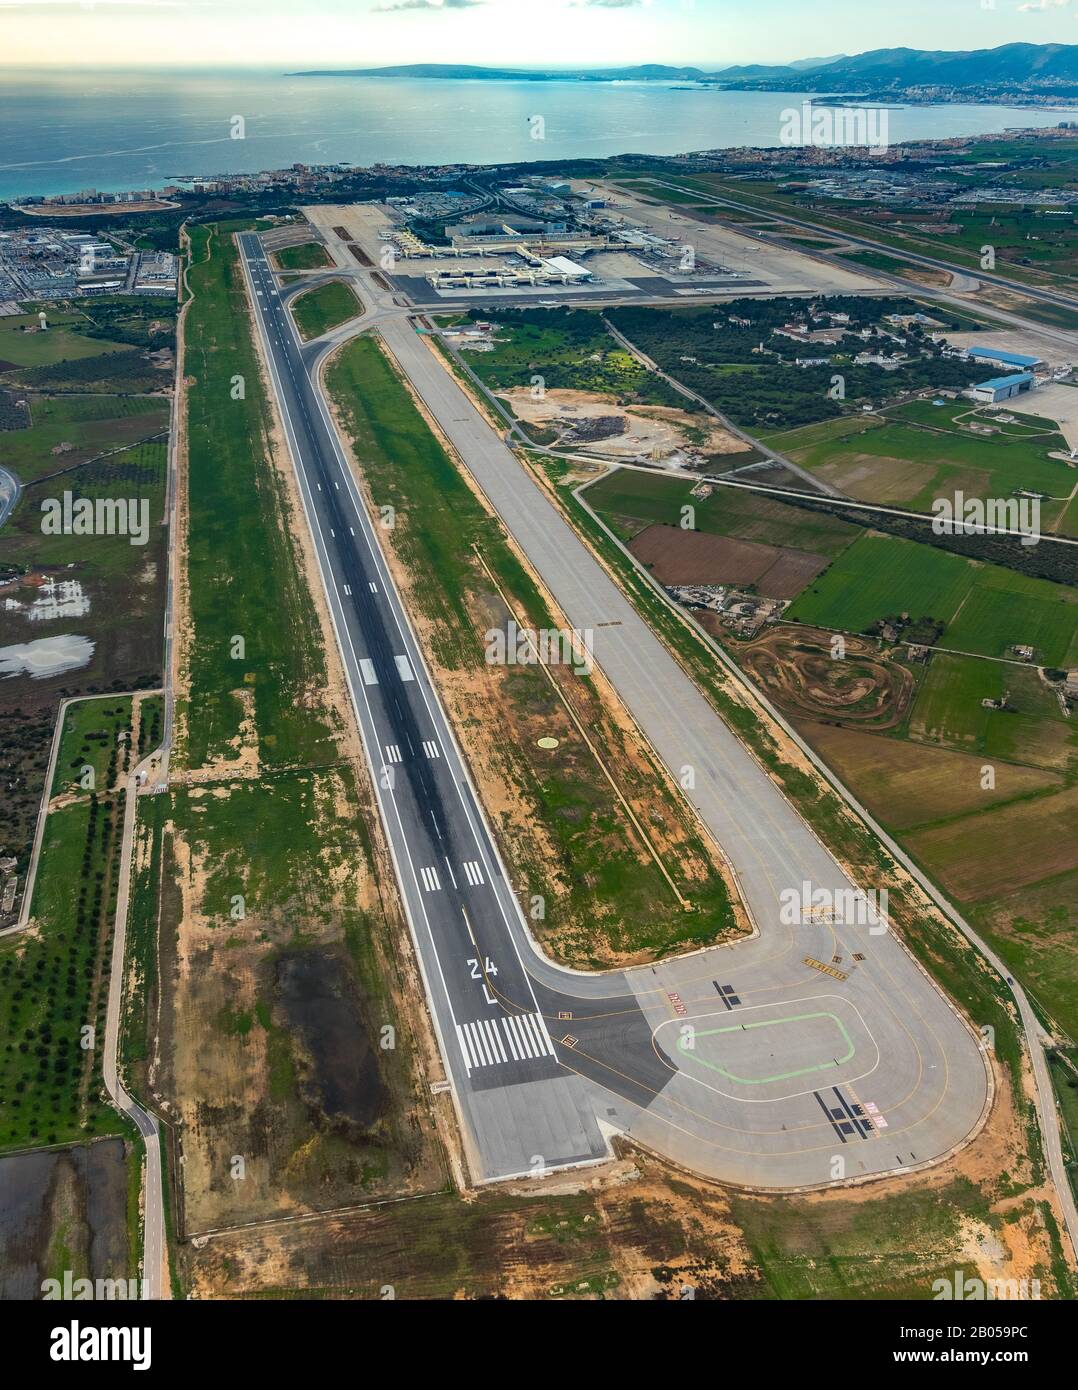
[
  {"x": 1013, "y": 361},
  {"x": 1002, "y": 388}
]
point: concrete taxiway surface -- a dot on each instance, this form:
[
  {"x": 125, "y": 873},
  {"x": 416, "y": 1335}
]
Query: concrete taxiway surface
[{"x": 747, "y": 1062}]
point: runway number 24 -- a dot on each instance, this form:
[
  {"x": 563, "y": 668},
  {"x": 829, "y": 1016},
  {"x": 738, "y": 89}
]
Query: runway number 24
[{"x": 488, "y": 968}]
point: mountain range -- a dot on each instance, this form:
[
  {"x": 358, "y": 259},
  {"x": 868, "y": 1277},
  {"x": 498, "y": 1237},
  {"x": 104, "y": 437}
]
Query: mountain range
[{"x": 1044, "y": 67}]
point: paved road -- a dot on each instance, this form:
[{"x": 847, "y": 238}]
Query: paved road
[
  {"x": 155, "y": 1255},
  {"x": 155, "y": 1269},
  {"x": 830, "y": 1076}
]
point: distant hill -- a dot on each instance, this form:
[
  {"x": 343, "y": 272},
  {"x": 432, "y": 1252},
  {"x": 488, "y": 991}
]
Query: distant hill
[
  {"x": 1013, "y": 66},
  {"x": 806, "y": 64}
]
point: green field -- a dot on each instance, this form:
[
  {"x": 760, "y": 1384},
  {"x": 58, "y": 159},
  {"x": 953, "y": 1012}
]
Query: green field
[
  {"x": 54, "y": 980},
  {"x": 985, "y": 609},
  {"x": 242, "y": 563},
  {"x": 312, "y": 255},
  {"x": 948, "y": 456},
  {"x": 23, "y": 344},
  {"x": 90, "y": 739},
  {"x": 629, "y": 501},
  {"x": 569, "y": 349},
  {"x": 317, "y": 311},
  {"x": 65, "y": 430}
]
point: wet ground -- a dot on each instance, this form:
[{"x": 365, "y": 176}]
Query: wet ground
[{"x": 63, "y": 1210}]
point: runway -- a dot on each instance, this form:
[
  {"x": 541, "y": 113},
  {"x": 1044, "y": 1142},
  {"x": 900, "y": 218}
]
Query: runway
[{"x": 814, "y": 1052}]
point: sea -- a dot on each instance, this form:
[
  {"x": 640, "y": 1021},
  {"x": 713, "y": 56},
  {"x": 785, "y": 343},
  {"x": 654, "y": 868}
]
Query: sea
[{"x": 62, "y": 131}]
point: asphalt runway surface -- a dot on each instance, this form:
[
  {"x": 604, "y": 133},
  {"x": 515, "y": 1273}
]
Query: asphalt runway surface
[{"x": 815, "y": 1051}]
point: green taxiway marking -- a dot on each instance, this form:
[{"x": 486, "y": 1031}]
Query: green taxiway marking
[{"x": 767, "y": 1023}]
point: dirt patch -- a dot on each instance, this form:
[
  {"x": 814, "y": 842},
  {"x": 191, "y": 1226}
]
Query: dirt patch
[
  {"x": 676, "y": 556},
  {"x": 597, "y": 424},
  {"x": 797, "y": 669},
  {"x": 875, "y": 477},
  {"x": 339, "y": 1076}
]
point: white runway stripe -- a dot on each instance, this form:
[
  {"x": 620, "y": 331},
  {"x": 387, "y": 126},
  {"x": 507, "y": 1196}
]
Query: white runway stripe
[
  {"x": 431, "y": 881},
  {"x": 520, "y": 1037},
  {"x": 367, "y": 671},
  {"x": 473, "y": 873},
  {"x": 431, "y": 749},
  {"x": 479, "y": 1047},
  {"x": 509, "y": 1039}
]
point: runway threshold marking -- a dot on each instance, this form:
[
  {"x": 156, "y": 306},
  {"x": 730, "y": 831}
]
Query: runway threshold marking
[
  {"x": 488, "y": 1042},
  {"x": 367, "y": 671}
]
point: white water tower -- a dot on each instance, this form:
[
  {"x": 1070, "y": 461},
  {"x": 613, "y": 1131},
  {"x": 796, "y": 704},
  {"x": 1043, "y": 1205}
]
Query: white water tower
[{"x": 42, "y": 321}]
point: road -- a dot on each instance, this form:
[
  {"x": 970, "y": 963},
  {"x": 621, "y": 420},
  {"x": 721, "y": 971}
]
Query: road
[
  {"x": 155, "y": 1268},
  {"x": 155, "y": 1277},
  {"x": 820, "y": 1055}
]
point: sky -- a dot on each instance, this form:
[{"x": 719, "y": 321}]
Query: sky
[{"x": 291, "y": 34}]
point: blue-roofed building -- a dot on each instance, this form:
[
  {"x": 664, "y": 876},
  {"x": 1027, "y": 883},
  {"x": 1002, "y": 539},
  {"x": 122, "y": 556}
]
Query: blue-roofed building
[
  {"x": 1002, "y": 388},
  {"x": 1018, "y": 361}
]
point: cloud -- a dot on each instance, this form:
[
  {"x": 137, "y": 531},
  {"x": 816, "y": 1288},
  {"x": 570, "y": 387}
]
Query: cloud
[
  {"x": 428, "y": 5},
  {"x": 610, "y": 4},
  {"x": 102, "y": 4},
  {"x": 1044, "y": 5}
]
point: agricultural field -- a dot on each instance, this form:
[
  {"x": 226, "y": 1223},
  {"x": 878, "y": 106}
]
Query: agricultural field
[
  {"x": 1030, "y": 728},
  {"x": 971, "y": 607},
  {"x": 1034, "y": 926},
  {"x": 115, "y": 345},
  {"x": 92, "y": 747},
  {"x": 64, "y": 431},
  {"x": 562, "y": 828},
  {"x": 85, "y": 427},
  {"x": 912, "y": 454},
  {"x": 677, "y": 556},
  {"x": 965, "y": 856},
  {"x": 311, "y": 255},
  {"x": 906, "y": 785},
  {"x": 326, "y": 306},
  {"x": 54, "y": 978},
  {"x": 629, "y": 501},
  {"x": 23, "y": 343}
]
